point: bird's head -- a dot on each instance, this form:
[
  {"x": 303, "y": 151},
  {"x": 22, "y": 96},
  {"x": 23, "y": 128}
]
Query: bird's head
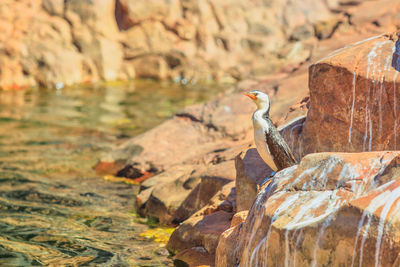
[{"x": 261, "y": 99}]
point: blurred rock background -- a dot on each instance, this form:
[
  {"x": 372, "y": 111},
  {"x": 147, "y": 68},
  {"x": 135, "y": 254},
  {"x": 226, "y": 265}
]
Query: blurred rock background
[{"x": 53, "y": 43}]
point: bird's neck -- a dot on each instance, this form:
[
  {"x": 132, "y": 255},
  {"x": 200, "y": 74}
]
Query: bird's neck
[
  {"x": 263, "y": 109},
  {"x": 260, "y": 118}
]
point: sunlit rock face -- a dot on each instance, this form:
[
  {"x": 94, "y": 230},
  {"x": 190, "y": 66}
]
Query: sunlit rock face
[
  {"x": 333, "y": 209},
  {"x": 55, "y": 43},
  {"x": 354, "y": 98}
]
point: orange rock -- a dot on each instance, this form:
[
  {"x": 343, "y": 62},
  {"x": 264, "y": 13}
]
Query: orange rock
[
  {"x": 200, "y": 231},
  {"x": 251, "y": 171},
  {"x": 211, "y": 182},
  {"x": 316, "y": 213},
  {"x": 226, "y": 250},
  {"x": 194, "y": 257},
  {"x": 353, "y": 98},
  {"x": 239, "y": 218}
]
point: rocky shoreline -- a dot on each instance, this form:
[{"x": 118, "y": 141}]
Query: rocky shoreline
[
  {"x": 199, "y": 170},
  {"x": 212, "y": 189},
  {"x": 206, "y": 179}
]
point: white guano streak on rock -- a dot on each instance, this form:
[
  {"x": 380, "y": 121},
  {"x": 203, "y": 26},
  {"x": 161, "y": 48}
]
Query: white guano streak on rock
[
  {"x": 332, "y": 163},
  {"x": 289, "y": 201},
  {"x": 325, "y": 168},
  {"x": 320, "y": 233},
  {"x": 300, "y": 220},
  {"x": 382, "y": 87},
  {"x": 360, "y": 224},
  {"x": 375, "y": 204},
  {"x": 393, "y": 197},
  {"x": 340, "y": 50},
  {"x": 368, "y": 39},
  {"x": 299, "y": 177},
  {"x": 395, "y": 109},
  {"x": 285, "y": 174},
  {"x": 372, "y": 55},
  {"x": 312, "y": 179},
  {"x": 287, "y": 250},
  {"x": 256, "y": 220},
  {"x": 375, "y": 167},
  {"x": 352, "y": 105},
  {"x": 295, "y": 248}
]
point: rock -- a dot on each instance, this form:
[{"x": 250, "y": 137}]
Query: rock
[
  {"x": 225, "y": 200},
  {"x": 54, "y": 7},
  {"x": 142, "y": 198},
  {"x": 353, "y": 93},
  {"x": 196, "y": 256},
  {"x": 291, "y": 132},
  {"x": 201, "y": 231},
  {"x": 176, "y": 194},
  {"x": 227, "y": 246},
  {"x": 154, "y": 67},
  {"x": 239, "y": 217},
  {"x": 228, "y": 114},
  {"x": 171, "y": 189},
  {"x": 98, "y": 17},
  {"x": 167, "y": 145},
  {"x": 377, "y": 14},
  {"x": 251, "y": 171},
  {"x": 223, "y": 41},
  {"x": 212, "y": 180},
  {"x": 205, "y": 226},
  {"x": 334, "y": 209}
]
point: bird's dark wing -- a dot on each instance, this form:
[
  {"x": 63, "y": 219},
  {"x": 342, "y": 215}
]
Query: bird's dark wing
[{"x": 280, "y": 151}]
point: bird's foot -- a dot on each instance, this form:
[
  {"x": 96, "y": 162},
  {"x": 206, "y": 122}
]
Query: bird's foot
[{"x": 268, "y": 179}]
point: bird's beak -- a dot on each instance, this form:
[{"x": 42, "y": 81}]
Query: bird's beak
[{"x": 251, "y": 96}]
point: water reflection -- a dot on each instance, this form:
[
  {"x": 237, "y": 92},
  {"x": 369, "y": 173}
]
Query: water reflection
[{"x": 53, "y": 208}]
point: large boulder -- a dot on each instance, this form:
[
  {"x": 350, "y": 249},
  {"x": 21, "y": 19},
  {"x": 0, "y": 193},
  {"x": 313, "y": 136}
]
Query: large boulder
[
  {"x": 336, "y": 209},
  {"x": 200, "y": 231},
  {"x": 354, "y": 93}
]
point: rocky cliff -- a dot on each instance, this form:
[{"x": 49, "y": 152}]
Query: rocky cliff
[{"x": 55, "y": 43}]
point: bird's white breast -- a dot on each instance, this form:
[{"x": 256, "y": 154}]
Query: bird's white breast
[{"x": 260, "y": 141}]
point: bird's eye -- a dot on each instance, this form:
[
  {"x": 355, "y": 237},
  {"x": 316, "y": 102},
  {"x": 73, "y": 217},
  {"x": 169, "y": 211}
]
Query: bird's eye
[{"x": 255, "y": 94}]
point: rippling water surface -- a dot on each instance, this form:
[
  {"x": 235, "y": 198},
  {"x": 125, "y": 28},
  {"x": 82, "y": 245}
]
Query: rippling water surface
[{"x": 54, "y": 210}]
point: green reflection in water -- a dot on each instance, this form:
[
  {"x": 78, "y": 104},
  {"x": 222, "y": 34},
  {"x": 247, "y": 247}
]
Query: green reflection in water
[{"x": 53, "y": 208}]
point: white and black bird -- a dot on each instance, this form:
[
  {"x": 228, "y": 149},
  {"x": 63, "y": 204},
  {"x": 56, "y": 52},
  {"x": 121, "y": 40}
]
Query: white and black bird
[{"x": 270, "y": 144}]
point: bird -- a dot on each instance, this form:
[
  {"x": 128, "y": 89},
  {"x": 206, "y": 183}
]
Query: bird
[{"x": 270, "y": 144}]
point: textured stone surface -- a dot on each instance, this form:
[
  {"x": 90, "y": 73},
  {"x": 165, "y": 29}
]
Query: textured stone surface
[
  {"x": 58, "y": 43},
  {"x": 227, "y": 246},
  {"x": 334, "y": 209},
  {"x": 251, "y": 171},
  {"x": 201, "y": 231},
  {"x": 354, "y": 94},
  {"x": 171, "y": 188},
  {"x": 211, "y": 181}
]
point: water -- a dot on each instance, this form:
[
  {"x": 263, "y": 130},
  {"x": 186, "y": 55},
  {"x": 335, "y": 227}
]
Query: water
[{"x": 53, "y": 208}]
